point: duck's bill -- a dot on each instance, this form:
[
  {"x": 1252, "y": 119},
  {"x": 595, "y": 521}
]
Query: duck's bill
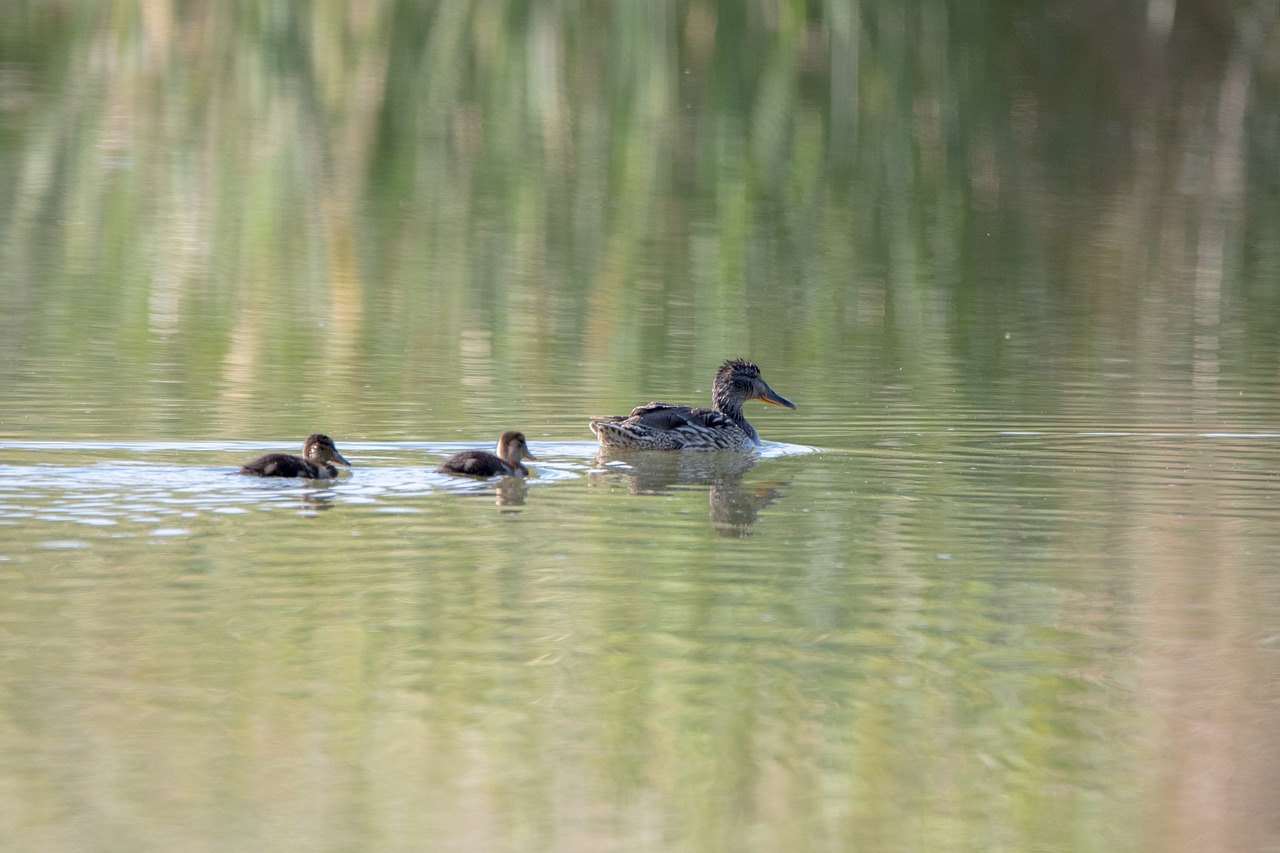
[
  {"x": 776, "y": 399},
  {"x": 337, "y": 457},
  {"x": 528, "y": 454}
]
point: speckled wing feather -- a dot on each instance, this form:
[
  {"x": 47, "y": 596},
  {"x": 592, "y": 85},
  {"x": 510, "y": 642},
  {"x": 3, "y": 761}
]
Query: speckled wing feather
[
  {"x": 661, "y": 426},
  {"x": 659, "y": 415}
]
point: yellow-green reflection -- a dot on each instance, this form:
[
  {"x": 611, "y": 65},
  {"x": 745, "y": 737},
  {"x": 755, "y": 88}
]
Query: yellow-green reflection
[
  {"x": 929, "y": 224},
  {"x": 400, "y": 218}
]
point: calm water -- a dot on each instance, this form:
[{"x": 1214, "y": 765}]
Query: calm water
[{"x": 1005, "y": 580}]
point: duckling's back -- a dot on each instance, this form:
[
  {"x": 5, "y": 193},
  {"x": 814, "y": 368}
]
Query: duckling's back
[
  {"x": 286, "y": 465},
  {"x": 478, "y": 463}
]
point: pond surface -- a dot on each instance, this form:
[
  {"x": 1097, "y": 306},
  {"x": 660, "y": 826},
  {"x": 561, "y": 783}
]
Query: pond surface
[
  {"x": 1005, "y": 580},
  {"x": 946, "y": 637}
]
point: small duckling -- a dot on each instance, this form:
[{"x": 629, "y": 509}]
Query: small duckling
[
  {"x": 317, "y": 452},
  {"x": 480, "y": 463}
]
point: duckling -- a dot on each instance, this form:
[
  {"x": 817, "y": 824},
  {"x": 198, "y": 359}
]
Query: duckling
[
  {"x": 480, "y": 463},
  {"x": 317, "y": 452},
  {"x": 662, "y": 426}
]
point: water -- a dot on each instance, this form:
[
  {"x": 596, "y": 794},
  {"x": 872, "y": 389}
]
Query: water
[
  {"x": 1005, "y": 580},
  {"x": 666, "y": 649}
]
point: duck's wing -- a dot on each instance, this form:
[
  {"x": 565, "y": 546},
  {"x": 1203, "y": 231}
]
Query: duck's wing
[
  {"x": 662, "y": 426},
  {"x": 664, "y": 416},
  {"x": 658, "y": 416}
]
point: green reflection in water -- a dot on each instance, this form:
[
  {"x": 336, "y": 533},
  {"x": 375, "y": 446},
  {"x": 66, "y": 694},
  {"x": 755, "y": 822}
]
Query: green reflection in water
[
  {"x": 401, "y": 220},
  {"x": 385, "y": 221}
]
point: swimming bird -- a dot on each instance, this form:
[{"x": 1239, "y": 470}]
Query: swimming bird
[
  {"x": 317, "y": 452},
  {"x": 481, "y": 463},
  {"x": 662, "y": 426}
]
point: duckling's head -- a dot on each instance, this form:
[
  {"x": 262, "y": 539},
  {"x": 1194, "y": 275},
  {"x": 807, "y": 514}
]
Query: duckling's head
[
  {"x": 320, "y": 450},
  {"x": 512, "y": 448},
  {"x": 738, "y": 381}
]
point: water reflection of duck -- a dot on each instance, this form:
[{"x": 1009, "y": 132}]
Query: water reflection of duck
[
  {"x": 735, "y": 505},
  {"x": 661, "y": 426},
  {"x": 658, "y": 473},
  {"x": 317, "y": 452},
  {"x": 512, "y": 447}
]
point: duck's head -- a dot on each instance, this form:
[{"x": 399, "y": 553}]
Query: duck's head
[
  {"x": 512, "y": 448},
  {"x": 738, "y": 381},
  {"x": 320, "y": 450}
]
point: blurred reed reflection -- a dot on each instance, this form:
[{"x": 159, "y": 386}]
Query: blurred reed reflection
[
  {"x": 939, "y": 224},
  {"x": 407, "y": 215}
]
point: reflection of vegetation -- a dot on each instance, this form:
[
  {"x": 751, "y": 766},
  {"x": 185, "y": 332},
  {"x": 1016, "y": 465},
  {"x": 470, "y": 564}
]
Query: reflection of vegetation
[
  {"x": 344, "y": 203},
  {"x": 401, "y": 218}
]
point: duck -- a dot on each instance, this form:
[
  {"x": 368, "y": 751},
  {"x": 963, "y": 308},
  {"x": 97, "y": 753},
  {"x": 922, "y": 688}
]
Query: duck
[
  {"x": 662, "y": 426},
  {"x": 317, "y": 452},
  {"x": 512, "y": 447}
]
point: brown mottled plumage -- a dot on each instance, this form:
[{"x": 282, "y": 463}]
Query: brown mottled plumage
[
  {"x": 662, "y": 426},
  {"x": 317, "y": 452},
  {"x": 481, "y": 463}
]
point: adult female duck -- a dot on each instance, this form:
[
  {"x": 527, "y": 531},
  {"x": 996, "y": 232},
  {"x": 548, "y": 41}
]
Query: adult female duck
[{"x": 661, "y": 426}]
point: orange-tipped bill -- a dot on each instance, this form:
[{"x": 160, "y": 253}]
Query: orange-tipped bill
[{"x": 774, "y": 398}]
